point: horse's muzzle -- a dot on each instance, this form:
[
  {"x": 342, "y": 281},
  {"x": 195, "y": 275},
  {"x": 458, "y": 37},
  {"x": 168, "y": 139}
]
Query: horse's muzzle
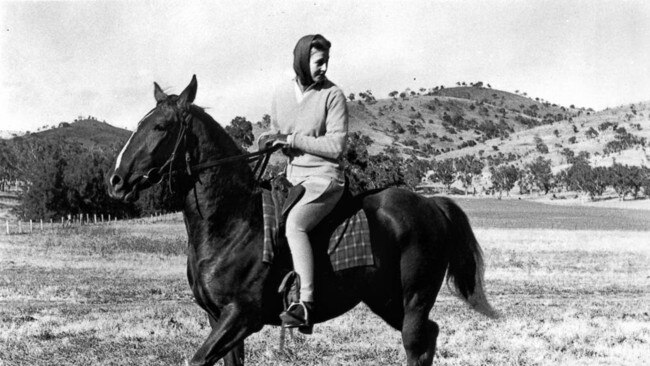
[{"x": 119, "y": 190}]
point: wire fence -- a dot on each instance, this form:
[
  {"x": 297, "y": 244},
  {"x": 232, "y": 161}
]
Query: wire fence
[{"x": 17, "y": 227}]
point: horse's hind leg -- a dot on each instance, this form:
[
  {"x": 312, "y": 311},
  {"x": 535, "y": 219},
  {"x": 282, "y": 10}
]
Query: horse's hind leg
[
  {"x": 419, "y": 337},
  {"x": 408, "y": 311},
  {"x": 422, "y": 276},
  {"x": 419, "y": 334}
]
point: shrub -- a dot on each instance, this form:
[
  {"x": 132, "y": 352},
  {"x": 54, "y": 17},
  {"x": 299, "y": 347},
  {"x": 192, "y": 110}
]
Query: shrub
[
  {"x": 605, "y": 125},
  {"x": 540, "y": 145},
  {"x": 623, "y": 141},
  {"x": 591, "y": 133}
]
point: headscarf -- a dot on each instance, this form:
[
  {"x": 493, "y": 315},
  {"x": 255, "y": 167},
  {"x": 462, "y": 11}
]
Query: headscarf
[{"x": 301, "y": 55}]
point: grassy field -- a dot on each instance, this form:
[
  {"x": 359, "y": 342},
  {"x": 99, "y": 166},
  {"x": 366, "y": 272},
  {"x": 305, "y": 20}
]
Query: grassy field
[{"x": 117, "y": 295}]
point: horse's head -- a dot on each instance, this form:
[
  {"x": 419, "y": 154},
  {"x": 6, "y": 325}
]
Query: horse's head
[{"x": 157, "y": 144}]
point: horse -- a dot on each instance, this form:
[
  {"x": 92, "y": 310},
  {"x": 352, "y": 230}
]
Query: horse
[{"x": 415, "y": 240}]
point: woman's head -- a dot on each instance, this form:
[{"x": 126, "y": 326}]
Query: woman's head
[{"x": 310, "y": 59}]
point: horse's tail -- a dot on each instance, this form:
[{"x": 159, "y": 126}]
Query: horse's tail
[{"x": 466, "y": 266}]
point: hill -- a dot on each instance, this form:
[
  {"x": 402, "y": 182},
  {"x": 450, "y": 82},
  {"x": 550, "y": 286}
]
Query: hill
[
  {"x": 497, "y": 127},
  {"x": 450, "y": 119},
  {"x": 90, "y": 133},
  {"x": 494, "y": 126},
  {"x": 460, "y": 121},
  {"x": 7, "y": 134}
]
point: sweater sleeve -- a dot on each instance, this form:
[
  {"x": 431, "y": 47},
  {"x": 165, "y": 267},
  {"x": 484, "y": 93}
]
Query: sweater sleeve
[{"x": 332, "y": 144}]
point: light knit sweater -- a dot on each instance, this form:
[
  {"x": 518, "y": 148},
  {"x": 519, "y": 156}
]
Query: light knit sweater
[{"x": 317, "y": 123}]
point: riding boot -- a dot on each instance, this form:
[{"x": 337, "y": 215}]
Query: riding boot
[{"x": 298, "y": 315}]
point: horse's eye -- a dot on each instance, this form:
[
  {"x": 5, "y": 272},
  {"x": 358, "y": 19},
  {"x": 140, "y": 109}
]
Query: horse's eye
[{"x": 160, "y": 127}]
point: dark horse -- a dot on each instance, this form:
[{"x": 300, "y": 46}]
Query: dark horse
[{"x": 415, "y": 240}]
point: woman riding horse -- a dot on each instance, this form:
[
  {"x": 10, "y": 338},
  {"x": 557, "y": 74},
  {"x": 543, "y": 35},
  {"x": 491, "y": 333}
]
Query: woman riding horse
[
  {"x": 309, "y": 116},
  {"x": 415, "y": 240}
]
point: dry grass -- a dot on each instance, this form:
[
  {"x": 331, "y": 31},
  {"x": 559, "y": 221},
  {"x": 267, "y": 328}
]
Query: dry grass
[{"x": 118, "y": 296}]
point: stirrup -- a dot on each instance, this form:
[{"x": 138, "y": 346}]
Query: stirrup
[{"x": 298, "y": 316}]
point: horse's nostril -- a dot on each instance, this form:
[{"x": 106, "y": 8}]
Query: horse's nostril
[{"x": 116, "y": 180}]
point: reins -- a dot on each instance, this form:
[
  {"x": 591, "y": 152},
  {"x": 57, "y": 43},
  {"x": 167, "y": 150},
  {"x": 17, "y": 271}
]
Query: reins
[{"x": 185, "y": 117}]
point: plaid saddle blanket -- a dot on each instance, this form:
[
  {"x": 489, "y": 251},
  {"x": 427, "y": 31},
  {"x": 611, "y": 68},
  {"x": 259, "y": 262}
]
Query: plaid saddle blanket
[{"x": 349, "y": 244}]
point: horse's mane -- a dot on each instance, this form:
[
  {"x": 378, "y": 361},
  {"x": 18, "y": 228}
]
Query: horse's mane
[
  {"x": 200, "y": 113},
  {"x": 224, "y": 139}
]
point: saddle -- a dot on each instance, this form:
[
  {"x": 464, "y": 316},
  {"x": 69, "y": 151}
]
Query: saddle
[
  {"x": 285, "y": 195},
  {"x": 343, "y": 234}
]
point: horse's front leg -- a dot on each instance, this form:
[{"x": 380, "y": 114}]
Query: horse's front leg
[
  {"x": 235, "y": 323},
  {"x": 236, "y": 355}
]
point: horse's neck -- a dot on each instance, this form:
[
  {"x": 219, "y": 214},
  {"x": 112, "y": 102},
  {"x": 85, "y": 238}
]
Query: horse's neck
[{"x": 220, "y": 203}]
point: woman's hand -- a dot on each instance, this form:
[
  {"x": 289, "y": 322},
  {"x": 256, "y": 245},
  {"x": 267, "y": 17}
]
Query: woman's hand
[{"x": 266, "y": 142}]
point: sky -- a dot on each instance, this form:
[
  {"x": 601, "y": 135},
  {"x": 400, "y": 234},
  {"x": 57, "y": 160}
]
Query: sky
[{"x": 63, "y": 59}]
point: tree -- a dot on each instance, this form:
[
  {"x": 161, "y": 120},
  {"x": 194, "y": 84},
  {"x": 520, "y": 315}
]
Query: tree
[
  {"x": 367, "y": 171},
  {"x": 618, "y": 177},
  {"x": 525, "y": 182},
  {"x": 60, "y": 177},
  {"x": 646, "y": 181},
  {"x": 467, "y": 168},
  {"x": 356, "y": 160},
  {"x": 540, "y": 172},
  {"x": 414, "y": 169},
  {"x": 598, "y": 181},
  {"x": 443, "y": 172},
  {"x": 351, "y": 97},
  {"x": 504, "y": 178},
  {"x": 627, "y": 179},
  {"x": 393, "y": 94},
  {"x": 265, "y": 123},
  {"x": 577, "y": 176},
  {"x": 241, "y": 130},
  {"x": 583, "y": 178}
]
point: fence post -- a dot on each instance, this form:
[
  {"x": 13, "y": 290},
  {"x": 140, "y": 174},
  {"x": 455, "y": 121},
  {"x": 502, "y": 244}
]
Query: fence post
[
  {"x": 102, "y": 218},
  {"x": 31, "y": 226},
  {"x": 7, "y": 222},
  {"x": 20, "y": 227},
  {"x": 95, "y": 218},
  {"x": 41, "y": 224}
]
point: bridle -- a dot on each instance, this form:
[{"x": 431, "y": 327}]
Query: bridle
[{"x": 185, "y": 117}]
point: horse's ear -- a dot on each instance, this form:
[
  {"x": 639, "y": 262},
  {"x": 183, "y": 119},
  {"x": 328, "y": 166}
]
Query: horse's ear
[
  {"x": 188, "y": 95},
  {"x": 158, "y": 93}
]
